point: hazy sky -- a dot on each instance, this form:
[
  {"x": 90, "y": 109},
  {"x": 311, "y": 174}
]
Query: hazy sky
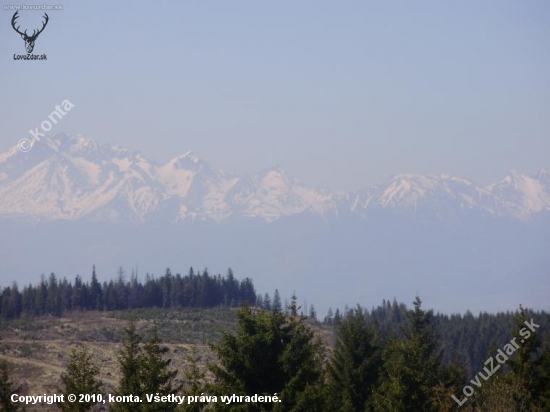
[{"x": 339, "y": 93}]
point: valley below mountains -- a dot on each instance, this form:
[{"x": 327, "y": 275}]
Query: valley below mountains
[{"x": 70, "y": 203}]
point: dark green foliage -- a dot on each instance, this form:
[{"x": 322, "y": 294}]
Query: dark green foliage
[
  {"x": 521, "y": 383},
  {"x": 355, "y": 364},
  {"x": 7, "y": 388},
  {"x": 451, "y": 381},
  {"x": 386, "y": 359},
  {"x": 463, "y": 338},
  {"x": 266, "y": 302},
  {"x": 81, "y": 377},
  {"x": 130, "y": 361},
  {"x": 194, "y": 374},
  {"x": 96, "y": 292},
  {"x": 277, "y": 304},
  {"x": 195, "y": 377},
  {"x": 270, "y": 353},
  {"x": 411, "y": 366},
  {"x": 156, "y": 376},
  {"x": 11, "y": 301},
  {"x": 544, "y": 377},
  {"x": 525, "y": 365},
  {"x": 54, "y": 296},
  {"x": 144, "y": 370}
]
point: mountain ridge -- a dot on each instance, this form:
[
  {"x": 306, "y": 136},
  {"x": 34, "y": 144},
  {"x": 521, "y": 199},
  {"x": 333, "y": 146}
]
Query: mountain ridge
[{"x": 74, "y": 177}]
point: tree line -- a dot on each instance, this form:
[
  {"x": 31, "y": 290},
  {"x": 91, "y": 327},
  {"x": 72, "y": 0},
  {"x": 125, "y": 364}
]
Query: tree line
[
  {"x": 466, "y": 338},
  {"x": 278, "y": 352},
  {"x": 54, "y": 296}
]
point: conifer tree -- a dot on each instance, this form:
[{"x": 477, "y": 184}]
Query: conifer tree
[
  {"x": 337, "y": 317},
  {"x": 96, "y": 297},
  {"x": 496, "y": 394},
  {"x": 452, "y": 379},
  {"x": 329, "y": 318},
  {"x": 312, "y": 312},
  {"x": 156, "y": 376},
  {"x": 80, "y": 378},
  {"x": 195, "y": 376},
  {"x": 7, "y": 388},
  {"x": 411, "y": 367},
  {"x": 302, "y": 361},
  {"x": 355, "y": 364},
  {"x": 270, "y": 353},
  {"x": 277, "y": 305},
  {"x": 267, "y": 302},
  {"x": 130, "y": 362},
  {"x": 544, "y": 377},
  {"x": 524, "y": 365},
  {"x": 145, "y": 370},
  {"x": 259, "y": 301}
]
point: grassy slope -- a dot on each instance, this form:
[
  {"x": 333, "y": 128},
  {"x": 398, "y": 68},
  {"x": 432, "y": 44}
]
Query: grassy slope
[{"x": 38, "y": 348}]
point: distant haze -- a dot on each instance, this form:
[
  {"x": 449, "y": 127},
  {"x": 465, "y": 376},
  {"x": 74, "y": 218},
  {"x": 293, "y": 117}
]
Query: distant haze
[
  {"x": 70, "y": 203},
  {"x": 340, "y": 94}
]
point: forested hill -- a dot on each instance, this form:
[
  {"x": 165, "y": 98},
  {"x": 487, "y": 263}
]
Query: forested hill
[
  {"x": 385, "y": 359},
  {"x": 54, "y": 296},
  {"x": 466, "y": 338}
]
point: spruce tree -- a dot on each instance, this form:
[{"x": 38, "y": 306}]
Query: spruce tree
[
  {"x": 337, "y": 317},
  {"x": 301, "y": 361},
  {"x": 195, "y": 376},
  {"x": 156, "y": 376},
  {"x": 259, "y": 301},
  {"x": 80, "y": 378},
  {"x": 145, "y": 370},
  {"x": 267, "y": 302},
  {"x": 355, "y": 364},
  {"x": 193, "y": 373},
  {"x": 411, "y": 367},
  {"x": 544, "y": 377},
  {"x": 130, "y": 362},
  {"x": 7, "y": 388},
  {"x": 277, "y": 304},
  {"x": 452, "y": 379},
  {"x": 96, "y": 297},
  {"x": 270, "y": 353},
  {"x": 329, "y": 318},
  {"x": 525, "y": 364}
]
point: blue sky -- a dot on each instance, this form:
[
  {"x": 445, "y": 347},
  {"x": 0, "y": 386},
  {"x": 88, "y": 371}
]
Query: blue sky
[{"x": 340, "y": 94}]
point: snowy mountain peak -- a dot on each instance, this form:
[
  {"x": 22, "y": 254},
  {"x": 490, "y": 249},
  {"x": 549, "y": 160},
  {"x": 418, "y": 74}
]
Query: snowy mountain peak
[
  {"x": 407, "y": 189},
  {"x": 530, "y": 193},
  {"x": 76, "y": 144},
  {"x": 275, "y": 178},
  {"x": 9, "y": 154},
  {"x": 73, "y": 177},
  {"x": 191, "y": 156},
  {"x": 188, "y": 160}
]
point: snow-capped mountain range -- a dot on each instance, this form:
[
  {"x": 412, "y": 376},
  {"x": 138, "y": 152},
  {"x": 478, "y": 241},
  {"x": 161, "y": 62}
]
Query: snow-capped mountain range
[
  {"x": 458, "y": 244},
  {"x": 73, "y": 177}
]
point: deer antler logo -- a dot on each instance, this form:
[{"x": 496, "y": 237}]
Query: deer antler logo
[{"x": 29, "y": 40}]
